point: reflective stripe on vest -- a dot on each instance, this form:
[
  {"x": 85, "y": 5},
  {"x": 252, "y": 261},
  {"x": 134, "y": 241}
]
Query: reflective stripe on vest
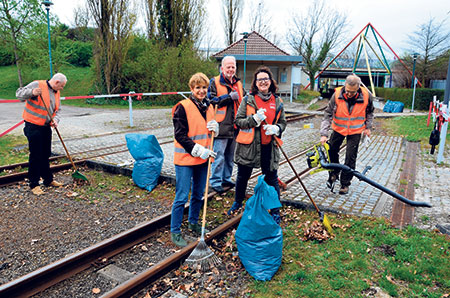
[
  {"x": 222, "y": 90},
  {"x": 35, "y": 111},
  {"x": 349, "y": 124},
  {"x": 197, "y": 133}
]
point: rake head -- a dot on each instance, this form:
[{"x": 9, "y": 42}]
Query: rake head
[{"x": 202, "y": 258}]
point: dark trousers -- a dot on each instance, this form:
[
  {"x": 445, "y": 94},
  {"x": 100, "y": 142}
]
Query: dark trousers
[
  {"x": 244, "y": 173},
  {"x": 351, "y": 154},
  {"x": 40, "y": 145}
]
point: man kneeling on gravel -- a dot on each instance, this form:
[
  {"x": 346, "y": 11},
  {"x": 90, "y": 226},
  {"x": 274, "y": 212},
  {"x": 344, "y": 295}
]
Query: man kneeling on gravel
[{"x": 40, "y": 96}]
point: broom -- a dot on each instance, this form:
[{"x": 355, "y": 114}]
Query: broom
[
  {"x": 202, "y": 258},
  {"x": 323, "y": 216}
]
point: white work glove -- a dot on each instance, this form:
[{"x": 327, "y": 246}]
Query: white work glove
[
  {"x": 259, "y": 116},
  {"x": 202, "y": 152},
  {"x": 234, "y": 95},
  {"x": 213, "y": 126},
  {"x": 271, "y": 129}
]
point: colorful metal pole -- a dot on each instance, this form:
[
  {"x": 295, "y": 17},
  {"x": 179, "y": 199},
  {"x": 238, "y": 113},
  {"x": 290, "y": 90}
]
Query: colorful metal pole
[
  {"x": 401, "y": 61},
  {"x": 338, "y": 55},
  {"x": 47, "y": 7}
]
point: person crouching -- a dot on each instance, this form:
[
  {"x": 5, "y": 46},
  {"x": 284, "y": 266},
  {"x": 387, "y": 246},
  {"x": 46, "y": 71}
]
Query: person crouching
[{"x": 193, "y": 121}]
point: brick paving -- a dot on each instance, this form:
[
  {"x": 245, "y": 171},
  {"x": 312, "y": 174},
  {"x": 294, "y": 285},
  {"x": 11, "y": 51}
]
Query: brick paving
[{"x": 86, "y": 129}]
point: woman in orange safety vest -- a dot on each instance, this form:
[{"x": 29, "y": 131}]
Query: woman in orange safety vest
[
  {"x": 260, "y": 119},
  {"x": 193, "y": 121}
]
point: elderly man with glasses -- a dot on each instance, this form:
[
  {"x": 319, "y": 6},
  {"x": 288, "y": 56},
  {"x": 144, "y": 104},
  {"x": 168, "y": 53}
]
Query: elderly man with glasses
[{"x": 349, "y": 114}]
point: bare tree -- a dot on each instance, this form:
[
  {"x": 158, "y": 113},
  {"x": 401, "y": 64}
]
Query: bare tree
[
  {"x": 151, "y": 18},
  {"x": 232, "y": 10},
  {"x": 315, "y": 34},
  {"x": 15, "y": 18},
  {"x": 115, "y": 20},
  {"x": 430, "y": 40},
  {"x": 260, "y": 18}
]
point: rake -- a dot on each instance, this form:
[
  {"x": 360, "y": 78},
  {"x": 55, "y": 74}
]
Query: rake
[
  {"x": 75, "y": 175},
  {"x": 202, "y": 258},
  {"x": 323, "y": 216}
]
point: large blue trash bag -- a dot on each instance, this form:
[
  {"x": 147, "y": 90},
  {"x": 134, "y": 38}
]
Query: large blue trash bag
[
  {"x": 149, "y": 158},
  {"x": 393, "y": 107},
  {"x": 259, "y": 239}
]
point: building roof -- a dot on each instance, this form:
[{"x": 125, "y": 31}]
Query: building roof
[{"x": 256, "y": 45}]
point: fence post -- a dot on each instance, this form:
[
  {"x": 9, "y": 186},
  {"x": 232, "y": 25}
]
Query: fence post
[{"x": 130, "y": 107}]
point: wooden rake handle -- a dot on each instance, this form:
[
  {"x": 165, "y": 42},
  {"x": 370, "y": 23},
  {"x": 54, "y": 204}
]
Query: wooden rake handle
[
  {"x": 59, "y": 135},
  {"x": 295, "y": 172},
  {"x": 205, "y": 200}
]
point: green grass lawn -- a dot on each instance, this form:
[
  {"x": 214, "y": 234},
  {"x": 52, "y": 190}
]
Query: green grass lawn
[
  {"x": 14, "y": 149},
  {"x": 413, "y": 128},
  {"x": 79, "y": 80},
  {"x": 365, "y": 253},
  {"x": 305, "y": 96}
]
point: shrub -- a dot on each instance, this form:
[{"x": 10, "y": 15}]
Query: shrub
[{"x": 421, "y": 101}]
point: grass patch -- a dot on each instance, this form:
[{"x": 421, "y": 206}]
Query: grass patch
[
  {"x": 111, "y": 104},
  {"x": 305, "y": 96},
  {"x": 414, "y": 128},
  {"x": 79, "y": 79},
  {"x": 367, "y": 253},
  {"x": 14, "y": 149}
]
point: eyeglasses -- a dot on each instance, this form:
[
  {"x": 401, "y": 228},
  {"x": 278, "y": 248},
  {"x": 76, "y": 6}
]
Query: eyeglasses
[{"x": 263, "y": 80}]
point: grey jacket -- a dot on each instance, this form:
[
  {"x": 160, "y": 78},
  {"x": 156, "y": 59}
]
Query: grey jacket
[
  {"x": 331, "y": 110},
  {"x": 26, "y": 93},
  {"x": 250, "y": 155}
]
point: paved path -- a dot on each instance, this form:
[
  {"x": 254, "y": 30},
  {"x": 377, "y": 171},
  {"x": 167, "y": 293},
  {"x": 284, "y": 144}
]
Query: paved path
[{"x": 87, "y": 128}]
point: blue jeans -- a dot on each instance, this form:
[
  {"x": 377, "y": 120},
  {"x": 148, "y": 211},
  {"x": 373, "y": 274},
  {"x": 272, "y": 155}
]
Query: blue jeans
[
  {"x": 222, "y": 167},
  {"x": 188, "y": 178}
]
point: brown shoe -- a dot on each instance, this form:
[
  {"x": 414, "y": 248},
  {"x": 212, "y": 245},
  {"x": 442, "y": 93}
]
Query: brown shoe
[
  {"x": 37, "y": 191},
  {"x": 55, "y": 184},
  {"x": 343, "y": 190}
]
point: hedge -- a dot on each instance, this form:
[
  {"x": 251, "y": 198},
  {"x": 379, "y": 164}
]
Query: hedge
[{"x": 421, "y": 101}]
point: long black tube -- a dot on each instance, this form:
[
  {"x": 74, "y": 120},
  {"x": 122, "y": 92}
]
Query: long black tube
[{"x": 337, "y": 166}]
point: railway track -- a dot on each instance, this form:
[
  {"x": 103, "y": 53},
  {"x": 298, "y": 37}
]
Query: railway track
[{"x": 56, "y": 165}]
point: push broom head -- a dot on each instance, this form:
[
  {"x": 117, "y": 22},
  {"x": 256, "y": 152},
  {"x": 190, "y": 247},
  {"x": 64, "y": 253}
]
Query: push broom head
[{"x": 202, "y": 258}]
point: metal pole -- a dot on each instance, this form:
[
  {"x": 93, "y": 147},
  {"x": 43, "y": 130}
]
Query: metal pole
[
  {"x": 414, "y": 95},
  {"x": 47, "y": 7},
  {"x": 414, "y": 69},
  {"x": 245, "y": 53},
  {"x": 130, "y": 108}
]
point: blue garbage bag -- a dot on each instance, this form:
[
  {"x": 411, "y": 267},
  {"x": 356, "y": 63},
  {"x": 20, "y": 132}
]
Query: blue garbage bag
[
  {"x": 393, "y": 107},
  {"x": 149, "y": 158},
  {"x": 259, "y": 239}
]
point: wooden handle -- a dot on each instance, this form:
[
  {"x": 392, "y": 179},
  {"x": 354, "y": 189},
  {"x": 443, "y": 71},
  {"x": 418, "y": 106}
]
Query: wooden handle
[{"x": 59, "y": 135}]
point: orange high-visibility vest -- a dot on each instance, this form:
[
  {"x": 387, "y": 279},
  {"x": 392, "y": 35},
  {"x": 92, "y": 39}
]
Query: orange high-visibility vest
[
  {"x": 35, "y": 111},
  {"x": 221, "y": 90},
  {"x": 197, "y": 132},
  {"x": 346, "y": 123},
  {"x": 246, "y": 135}
]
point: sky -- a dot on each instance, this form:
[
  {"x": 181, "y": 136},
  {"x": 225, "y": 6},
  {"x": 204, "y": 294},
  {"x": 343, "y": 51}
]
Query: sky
[{"x": 393, "y": 19}]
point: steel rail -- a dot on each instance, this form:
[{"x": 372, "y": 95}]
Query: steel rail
[{"x": 143, "y": 279}]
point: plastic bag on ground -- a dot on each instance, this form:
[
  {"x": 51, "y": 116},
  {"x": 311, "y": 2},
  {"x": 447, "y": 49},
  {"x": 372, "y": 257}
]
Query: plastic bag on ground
[
  {"x": 149, "y": 157},
  {"x": 259, "y": 239},
  {"x": 393, "y": 107}
]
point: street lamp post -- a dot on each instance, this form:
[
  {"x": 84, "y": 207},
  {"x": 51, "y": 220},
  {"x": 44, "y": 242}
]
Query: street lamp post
[
  {"x": 413, "y": 81},
  {"x": 47, "y": 4},
  {"x": 245, "y": 52},
  {"x": 414, "y": 56}
]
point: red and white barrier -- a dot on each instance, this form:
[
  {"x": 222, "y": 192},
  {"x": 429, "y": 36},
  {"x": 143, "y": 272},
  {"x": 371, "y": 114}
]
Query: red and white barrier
[{"x": 125, "y": 96}]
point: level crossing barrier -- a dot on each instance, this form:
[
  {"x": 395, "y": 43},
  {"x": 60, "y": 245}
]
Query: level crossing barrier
[{"x": 125, "y": 96}]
